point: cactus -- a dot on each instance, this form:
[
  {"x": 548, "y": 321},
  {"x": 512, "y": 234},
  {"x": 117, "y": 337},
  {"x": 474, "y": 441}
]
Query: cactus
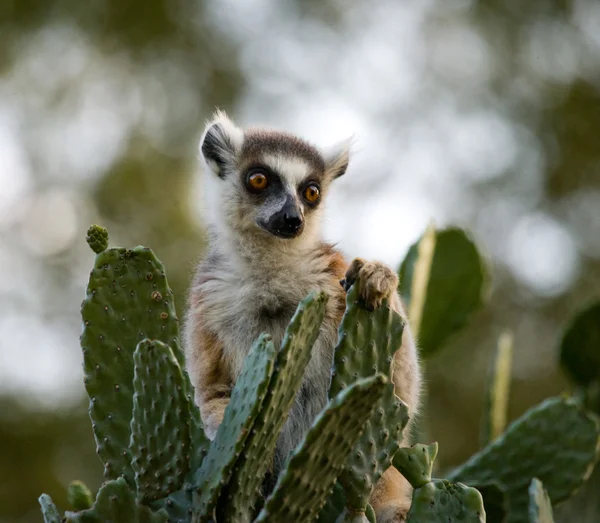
[
  {"x": 115, "y": 503},
  {"x": 436, "y": 499},
  {"x": 440, "y": 500},
  {"x": 160, "y": 427},
  {"x": 49, "y": 510},
  {"x": 555, "y": 441},
  {"x": 580, "y": 357},
  {"x": 416, "y": 463},
  {"x": 309, "y": 478},
  {"x": 496, "y": 398},
  {"x": 443, "y": 278},
  {"x": 97, "y": 238},
  {"x": 367, "y": 343},
  {"x": 292, "y": 358},
  {"x": 128, "y": 299},
  {"x": 241, "y": 412},
  {"x": 79, "y": 496},
  {"x": 151, "y": 441},
  {"x": 540, "y": 507}
]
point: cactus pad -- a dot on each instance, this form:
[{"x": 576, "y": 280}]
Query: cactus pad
[
  {"x": 49, "y": 510},
  {"x": 303, "y": 487},
  {"x": 496, "y": 397},
  {"x": 97, "y": 238},
  {"x": 128, "y": 299},
  {"x": 291, "y": 361},
  {"x": 115, "y": 503},
  {"x": 160, "y": 428},
  {"x": 416, "y": 463},
  {"x": 556, "y": 441},
  {"x": 367, "y": 344},
  {"x": 439, "y": 500},
  {"x": 540, "y": 507},
  {"x": 579, "y": 354},
  {"x": 79, "y": 496},
  {"x": 454, "y": 287},
  {"x": 243, "y": 408}
]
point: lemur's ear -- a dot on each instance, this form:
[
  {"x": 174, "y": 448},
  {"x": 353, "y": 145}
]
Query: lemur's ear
[
  {"x": 337, "y": 158},
  {"x": 220, "y": 143}
]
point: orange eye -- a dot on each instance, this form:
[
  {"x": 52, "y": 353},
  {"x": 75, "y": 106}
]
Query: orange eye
[
  {"x": 312, "y": 194},
  {"x": 257, "y": 181}
]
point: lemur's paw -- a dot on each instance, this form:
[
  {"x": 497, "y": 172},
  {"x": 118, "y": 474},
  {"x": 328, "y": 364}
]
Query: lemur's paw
[
  {"x": 392, "y": 514},
  {"x": 376, "y": 282}
]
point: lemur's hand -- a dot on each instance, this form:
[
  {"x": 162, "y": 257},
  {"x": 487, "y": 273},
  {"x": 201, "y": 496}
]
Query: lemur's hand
[{"x": 376, "y": 281}]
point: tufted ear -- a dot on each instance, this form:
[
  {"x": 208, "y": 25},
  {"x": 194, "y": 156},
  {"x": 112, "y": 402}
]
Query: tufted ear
[
  {"x": 220, "y": 143},
  {"x": 337, "y": 158}
]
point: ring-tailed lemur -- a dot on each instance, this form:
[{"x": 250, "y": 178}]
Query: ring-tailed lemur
[{"x": 264, "y": 193}]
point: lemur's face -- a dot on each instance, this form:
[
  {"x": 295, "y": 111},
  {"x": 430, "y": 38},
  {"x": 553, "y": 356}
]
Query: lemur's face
[{"x": 267, "y": 182}]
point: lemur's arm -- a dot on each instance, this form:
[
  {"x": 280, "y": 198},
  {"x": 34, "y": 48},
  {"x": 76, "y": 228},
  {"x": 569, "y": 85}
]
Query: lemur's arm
[{"x": 208, "y": 371}]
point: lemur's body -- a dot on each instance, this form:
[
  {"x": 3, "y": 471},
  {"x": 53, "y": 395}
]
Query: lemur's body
[{"x": 266, "y": 255}]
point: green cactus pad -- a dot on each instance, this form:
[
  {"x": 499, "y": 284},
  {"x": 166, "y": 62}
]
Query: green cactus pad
[
  {"x": 128, "y": 299},
  {"x": 178, "y": 505},
  {"x": 367, "y": 344},
  {"x": 451, "y": 288},
  {"x": 304, "y": 486},
  {"x": 579, "y": 354},
  {"x": 496, "y": 397},
  {"x": 160, "y": 428},
  {"x": 292, "y": 358},
  {"x": 115, "y": 503},
  {"x": 439, "y": 501},
  {"x": 416, "y": 463},
  {"x": 241, "y": 412},
  {"x": 540, "y": 507},
  {"x": 97, "y": 238},
  {"x": 49, "y": 510},
  {"x": 79, "y": 496},
  {"x": 556, "y": 441}
]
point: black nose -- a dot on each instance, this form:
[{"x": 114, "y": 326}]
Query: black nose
[
  {"x": 286, "y": 223},
  {"x": 292, "y": 221}
]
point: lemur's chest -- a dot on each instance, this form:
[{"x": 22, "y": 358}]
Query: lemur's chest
[{"x": 242, "y": 308}]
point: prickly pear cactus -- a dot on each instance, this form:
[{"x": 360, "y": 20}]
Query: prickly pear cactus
[
  {"x": 241, "y": 412},
  {"x": 540, "y": 506},
  {"x": 160, "y": 427},
  {"x": 580, "y": 357},
  {"x": 443, "y": 280},
  {"x": 49, "y": 510},
  {"x": 128, "y": 300},
  {"x": 556, "y": 441},
  {"x": 367, "y": 343},
  {"x": 291, "y": 360},
  {"x": 436, "y": 500},
  {"x": 308, "y": 479},
  {"x": 496, "y": 397},
  {"x": 116, "y": 503},
  {"x": 440, "y": 500},
  {"x": 79, "y": 496},
  {"x": 416, "y": 463}
]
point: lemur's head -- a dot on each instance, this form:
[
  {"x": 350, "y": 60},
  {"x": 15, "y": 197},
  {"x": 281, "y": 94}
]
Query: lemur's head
[{"x": 266, "y": 182}]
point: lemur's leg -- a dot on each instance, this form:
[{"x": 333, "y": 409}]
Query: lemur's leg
[
  {"x": 392, "y": 494},
  {"x": 208, "y": 372}
]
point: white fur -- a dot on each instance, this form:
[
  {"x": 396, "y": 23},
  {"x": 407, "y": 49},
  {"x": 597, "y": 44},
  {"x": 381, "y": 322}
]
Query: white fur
[{"x": 294, "y": 170}]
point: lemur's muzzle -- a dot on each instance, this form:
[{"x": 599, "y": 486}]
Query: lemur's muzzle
[{"x": 287, "y": 222}]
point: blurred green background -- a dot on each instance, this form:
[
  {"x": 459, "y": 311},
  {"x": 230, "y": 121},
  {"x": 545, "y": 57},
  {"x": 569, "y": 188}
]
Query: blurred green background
[{"x": 482, "y": 114}]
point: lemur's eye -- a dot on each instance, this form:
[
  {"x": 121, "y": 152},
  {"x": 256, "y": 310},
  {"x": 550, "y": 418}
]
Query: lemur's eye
[
  {"x": 257, "y": 181},
  {"x": 311, "y": 193}
]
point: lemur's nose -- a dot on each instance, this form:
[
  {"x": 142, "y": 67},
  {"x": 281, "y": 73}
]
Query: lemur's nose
[{"x": 292, "y": 220}]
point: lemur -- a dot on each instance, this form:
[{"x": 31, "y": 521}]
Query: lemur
[{"x": 265, "y": 192}]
